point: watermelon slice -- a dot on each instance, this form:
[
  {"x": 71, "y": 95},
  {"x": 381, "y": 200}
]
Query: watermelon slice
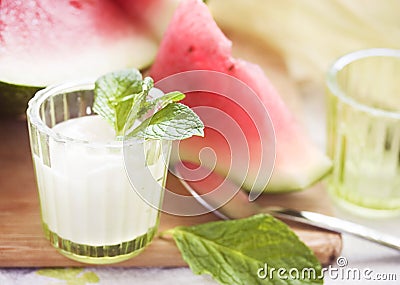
[
  {"x": 193, "y": 41},
  {"x": 44, "y": 42}
]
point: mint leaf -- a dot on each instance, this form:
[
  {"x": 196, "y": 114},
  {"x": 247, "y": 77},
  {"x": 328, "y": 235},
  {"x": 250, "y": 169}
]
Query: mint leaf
[
  {"x": 233, "y": 252},
  {"x": 115, "y": 94},
  {"x": 162, "y": 101},
  {"x": 122, "y": 99},
  {"x": 72, "y": 276},
  {"x": 173, "y": 122},
  {"x": 170, "y": 97},
  {"x": 140, "y": 104}
]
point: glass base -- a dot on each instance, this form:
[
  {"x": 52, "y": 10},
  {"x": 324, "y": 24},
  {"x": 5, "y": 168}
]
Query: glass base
[
  {"x": 106, "y": 254},
  {"x": 362, "y": 211}
]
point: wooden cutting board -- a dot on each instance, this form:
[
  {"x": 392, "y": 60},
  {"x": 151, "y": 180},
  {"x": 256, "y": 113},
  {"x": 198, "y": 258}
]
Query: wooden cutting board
[{"x": 22, "y": 243}]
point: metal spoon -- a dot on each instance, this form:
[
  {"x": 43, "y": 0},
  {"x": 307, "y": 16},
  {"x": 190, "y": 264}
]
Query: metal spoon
[{"x": 239, "y": 206}]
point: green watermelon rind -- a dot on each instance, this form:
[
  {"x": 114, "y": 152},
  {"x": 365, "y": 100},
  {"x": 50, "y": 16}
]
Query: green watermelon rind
[
  {"x": 14, "y": 98},
  {"x": 282, "y": 188}
]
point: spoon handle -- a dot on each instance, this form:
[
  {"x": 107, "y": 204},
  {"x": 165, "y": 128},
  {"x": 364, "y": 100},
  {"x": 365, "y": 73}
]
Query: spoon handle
[
  {"x": 335, "y": 224},
  {"x": 240, "y": 207}
]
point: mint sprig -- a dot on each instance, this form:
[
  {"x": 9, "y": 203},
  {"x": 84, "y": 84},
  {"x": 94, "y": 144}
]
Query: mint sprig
[
  {"x": 237, "y": 251},
  {"x": 122, "y": 98}
]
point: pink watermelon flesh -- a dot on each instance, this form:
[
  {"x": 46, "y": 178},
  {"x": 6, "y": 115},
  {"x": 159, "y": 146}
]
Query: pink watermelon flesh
[
  {"x": 46, "y": 41},
  {"x": 193, "y": 41},
  {"x": 139, "y": 11}
]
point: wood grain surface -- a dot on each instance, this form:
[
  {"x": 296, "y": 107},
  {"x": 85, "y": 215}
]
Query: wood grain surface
[{"x": 22, "y": 243}]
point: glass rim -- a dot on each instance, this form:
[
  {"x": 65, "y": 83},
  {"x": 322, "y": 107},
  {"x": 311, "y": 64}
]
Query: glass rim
[
  {"x": 33, "y": 113},
  {"x": 348, "y": 58}
]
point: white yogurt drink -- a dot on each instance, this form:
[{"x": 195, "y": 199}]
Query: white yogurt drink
[{"x": 90, "y": 209}]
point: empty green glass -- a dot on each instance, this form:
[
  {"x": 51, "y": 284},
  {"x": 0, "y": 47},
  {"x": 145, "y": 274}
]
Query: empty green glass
[{"x": 363, "y": 128}]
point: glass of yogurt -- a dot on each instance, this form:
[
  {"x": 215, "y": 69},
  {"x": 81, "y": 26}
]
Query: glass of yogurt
[{"x": 91, "y": 211}]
